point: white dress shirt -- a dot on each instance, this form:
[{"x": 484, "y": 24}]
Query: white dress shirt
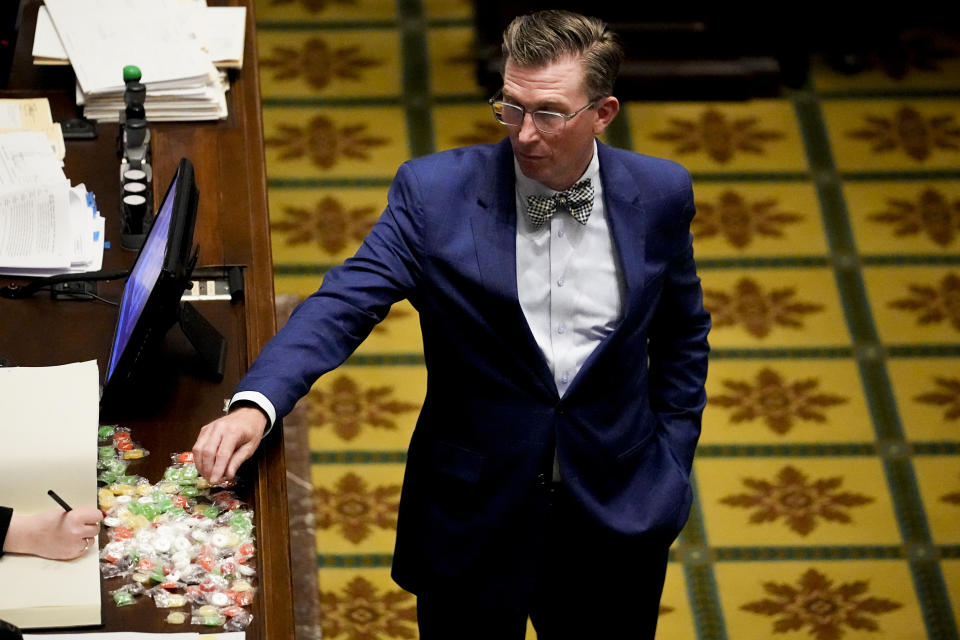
[{"x": 568, "y": 280}]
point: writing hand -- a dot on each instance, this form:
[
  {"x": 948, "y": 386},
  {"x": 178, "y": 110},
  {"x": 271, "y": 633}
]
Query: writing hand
[
  {"x": 226, "y": 442},
  {"x": 54, "y": 534}
]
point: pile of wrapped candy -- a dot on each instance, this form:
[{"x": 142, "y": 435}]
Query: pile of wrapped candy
[{"x": 185, "y": 544}]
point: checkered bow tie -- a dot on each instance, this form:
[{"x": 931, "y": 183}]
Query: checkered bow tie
[{"x": 578, "y": 199}]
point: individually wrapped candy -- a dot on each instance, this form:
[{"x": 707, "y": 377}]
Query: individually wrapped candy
[
  {"x": 163, "y": 599},
  {"x": 105, "y": 499},
  {"x": 184, "y": 474},
  {"x": 239, "y": 621},
  {"x": 241, "y": 592},
  {"x": 125, "y": 595},
  {"x": 112, "y": 552},
  {"x": 112, "y": 469},
  {"x": 226, "y": 500},
  {"x": 135, "y": 453},
  {"x": 105, "y": 432},
  {"x": 121, "y": 439},
  {"x": 176, "y": 617},
  {"x": 108, "y": 570},
  {"x": 207, "y": 615}
]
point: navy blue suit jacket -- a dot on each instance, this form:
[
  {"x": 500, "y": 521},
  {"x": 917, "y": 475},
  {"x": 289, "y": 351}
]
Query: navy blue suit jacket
[{"x": 626, "y": 429}]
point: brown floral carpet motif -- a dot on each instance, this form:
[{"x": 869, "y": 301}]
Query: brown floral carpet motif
[
  {"x": 933, "y": 303},
  {"x": 361, "y": 611},
  {"x": 739, "y": 220},
  {"x": 324, "y": 142},
  {"x": 348, "y": 406},
  {"x": 778, "y": 401},
  {"x": 759, "y": 311},
  {"x": 356, "y": 509},
  {"x": 317, "y": 62},
  {"x": 799, "y": 500},
  {"x": 909, "y": 132},
  {"x": 328, "y": 224},
  {"x": 820, "y": 607},
  {"x": 953, "y": 497},
  {"x": 483, "y": 132},
  {"x": 718, "y": 135},
  {"x": 933, "y": 215},
  {"x": 945, "y": 394}
]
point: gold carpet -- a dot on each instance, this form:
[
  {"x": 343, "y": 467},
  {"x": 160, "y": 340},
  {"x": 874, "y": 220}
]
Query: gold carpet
[{"x": 828, "y": 476}]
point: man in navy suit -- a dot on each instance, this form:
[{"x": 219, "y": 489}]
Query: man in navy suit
[{"x": 565, "y": 343}]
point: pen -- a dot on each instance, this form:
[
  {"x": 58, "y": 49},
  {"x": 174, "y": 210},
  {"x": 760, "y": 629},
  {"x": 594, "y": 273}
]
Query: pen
[{"x": 59, "y": 500}]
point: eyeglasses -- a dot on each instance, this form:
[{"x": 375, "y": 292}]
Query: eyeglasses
[{"x": 511, "y": 115}]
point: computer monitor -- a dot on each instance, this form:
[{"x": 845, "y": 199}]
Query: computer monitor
[{"x": 150, "y": 303}]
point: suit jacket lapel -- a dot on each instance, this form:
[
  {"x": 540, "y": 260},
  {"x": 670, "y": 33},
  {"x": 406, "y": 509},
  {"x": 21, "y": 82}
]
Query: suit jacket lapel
[
  {"x": 494, "y": 224},
  {"x": 627, "y": 223}
]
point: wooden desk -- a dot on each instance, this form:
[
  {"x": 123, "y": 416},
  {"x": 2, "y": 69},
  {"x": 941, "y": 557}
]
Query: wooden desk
[{"x": 232, "y": 228}]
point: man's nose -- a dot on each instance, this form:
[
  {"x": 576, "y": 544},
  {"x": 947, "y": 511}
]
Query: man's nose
[{"x": 528, "y": 130}]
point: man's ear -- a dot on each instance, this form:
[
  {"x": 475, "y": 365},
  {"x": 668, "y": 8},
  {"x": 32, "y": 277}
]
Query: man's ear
[{"x": 607, "y": 109}]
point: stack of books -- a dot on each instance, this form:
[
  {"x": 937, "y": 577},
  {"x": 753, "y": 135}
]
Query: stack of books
[
  {"x": 174, "y": 43},
  {"x": 47, "y": 226}
]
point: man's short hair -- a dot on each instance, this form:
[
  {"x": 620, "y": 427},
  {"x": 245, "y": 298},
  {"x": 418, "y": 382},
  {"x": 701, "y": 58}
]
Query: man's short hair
[{"x": 543, "y": 37}]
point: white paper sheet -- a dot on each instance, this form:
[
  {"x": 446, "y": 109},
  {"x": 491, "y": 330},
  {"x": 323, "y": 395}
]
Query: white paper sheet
[{"x": 35, "y": 230}]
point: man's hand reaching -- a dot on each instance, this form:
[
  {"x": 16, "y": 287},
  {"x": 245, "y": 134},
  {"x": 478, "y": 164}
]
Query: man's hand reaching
[{"x": 226, "y": 442}]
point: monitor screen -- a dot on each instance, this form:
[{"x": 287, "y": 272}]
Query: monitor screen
[
  {"x": 142, "y": 280},
  {"x": 150, "y": 304}
]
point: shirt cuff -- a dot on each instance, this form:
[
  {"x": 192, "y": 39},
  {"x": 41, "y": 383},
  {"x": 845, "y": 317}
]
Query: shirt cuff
[{"x": 261, "y": 401}]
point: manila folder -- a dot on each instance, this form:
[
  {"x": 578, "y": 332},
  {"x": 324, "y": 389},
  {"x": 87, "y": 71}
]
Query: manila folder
[{"x": 48, "y": 440}]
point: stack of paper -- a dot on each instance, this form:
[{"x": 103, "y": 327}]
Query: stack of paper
[
  {"x": 161, "y": 37},
  {"x": 47, "y": 226},
  {"x": 221, "y": 31}
]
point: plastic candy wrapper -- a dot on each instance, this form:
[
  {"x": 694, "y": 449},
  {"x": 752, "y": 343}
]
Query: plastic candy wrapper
[
  {"x": 179, "y": 541},
  {"x": 120, "y": 440},
  {"x": 105, "y": 432},
  {"x": 238, "y": 618},
  {"x": 166, "y": 600},
  {"x": 125, "y": 595},
  {"x": 208, "y": 615},
  {"x": 115, "y": 451},
  {"x": 176, "y": 617},
  {"x": 181, "y": 464},
  {"x": 111, "y": 467}
]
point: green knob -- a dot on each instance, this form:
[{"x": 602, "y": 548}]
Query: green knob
[{"x": 131, "y": 73}]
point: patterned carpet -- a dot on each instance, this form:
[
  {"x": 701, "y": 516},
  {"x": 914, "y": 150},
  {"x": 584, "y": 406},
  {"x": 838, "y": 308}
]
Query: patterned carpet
[{"x": 828, "y": 229}]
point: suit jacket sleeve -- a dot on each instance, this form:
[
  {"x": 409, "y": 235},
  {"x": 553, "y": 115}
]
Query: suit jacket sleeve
[
  {"x": 678, "y": 348},
  {"x": 329, "y": 325},
  {"x": 6, "y": 513}
]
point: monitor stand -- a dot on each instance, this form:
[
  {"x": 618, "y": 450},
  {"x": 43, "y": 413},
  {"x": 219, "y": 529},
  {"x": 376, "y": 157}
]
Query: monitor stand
[{"x": 210, "y": 344}]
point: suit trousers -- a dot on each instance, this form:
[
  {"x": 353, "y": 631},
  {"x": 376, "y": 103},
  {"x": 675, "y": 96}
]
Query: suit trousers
[{"x": 590, "y": 583}]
